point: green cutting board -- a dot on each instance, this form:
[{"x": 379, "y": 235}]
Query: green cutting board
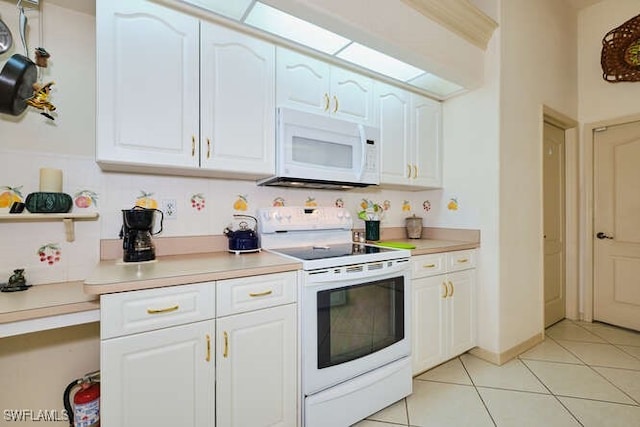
[{"x": 397, "y": 245}]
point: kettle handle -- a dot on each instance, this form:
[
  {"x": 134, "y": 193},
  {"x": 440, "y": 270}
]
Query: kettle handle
[{"x": 255, "y": 220}]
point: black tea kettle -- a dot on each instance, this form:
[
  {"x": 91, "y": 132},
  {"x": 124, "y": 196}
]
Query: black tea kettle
[{"x": 244, "y": 239}]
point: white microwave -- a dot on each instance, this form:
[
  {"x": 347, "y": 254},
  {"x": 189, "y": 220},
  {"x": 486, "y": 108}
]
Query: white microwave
[{"x": 320, "y": 151}]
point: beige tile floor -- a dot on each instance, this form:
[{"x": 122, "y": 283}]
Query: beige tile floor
[{"x": 583, "y": 374}]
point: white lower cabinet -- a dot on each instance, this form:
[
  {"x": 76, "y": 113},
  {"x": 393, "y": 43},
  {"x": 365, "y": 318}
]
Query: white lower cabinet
[
  {"x": 256, "y": 368},
  {"x": 167, "y": 361},
  {"x": 159, "y": 378},
  {"x": 444, "y": 313}
]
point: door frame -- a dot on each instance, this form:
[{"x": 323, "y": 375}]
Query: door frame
[
  {"x": 587, "y": 176},
  {"x": 572, "y": 208}
]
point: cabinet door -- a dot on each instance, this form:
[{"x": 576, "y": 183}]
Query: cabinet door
[
  {"x": 147, "y": 84},
  {"x": 429, "y": 326},
  {"x": 351, "y": 96},
  {"x": 237, "y": 102},
  {"x": 462, "y": 308},
  {"x": 302, "y": 82},
  {"x": 256, "y": 368},
  {"x": 427, "y": 142},
  {"x": 159, "y": 378},
  {"x": 393, "y": 114}
]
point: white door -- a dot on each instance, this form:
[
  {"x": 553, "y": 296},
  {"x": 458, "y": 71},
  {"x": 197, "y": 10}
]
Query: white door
[
  {"x": 426, "y": 160},
  {"x": 553, "y": 226},
  {"x": 159, "y": 378},
  {"x": 351, "y": 96},
  {"x": 462, "y": 318},
  {"x": 237, "y": 102},
  {"x": 147, "y": 84},
  {"x": 616, "y": 231},
  {"x": 429, "y": 322},
  {"x": 256, "y": 368},
  {"x": 302, "y": 82},
  {"x": 392, "y": 104}
]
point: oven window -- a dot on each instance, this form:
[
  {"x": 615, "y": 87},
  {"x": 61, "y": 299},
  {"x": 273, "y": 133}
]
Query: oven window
[{"x": 359, "y": 320}]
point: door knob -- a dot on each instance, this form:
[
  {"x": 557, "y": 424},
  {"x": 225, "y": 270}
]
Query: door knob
[{"x": 602, "y": 235}]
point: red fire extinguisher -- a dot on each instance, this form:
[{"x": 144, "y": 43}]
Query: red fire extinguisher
[{"x": 86, "y": 401}]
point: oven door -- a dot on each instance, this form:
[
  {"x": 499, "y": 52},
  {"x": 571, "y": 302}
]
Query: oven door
[{"x": 353, "y": 325}]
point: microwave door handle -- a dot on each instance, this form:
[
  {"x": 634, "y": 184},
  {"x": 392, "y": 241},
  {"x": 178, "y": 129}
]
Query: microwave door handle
[{"x": 363, "y": 144}]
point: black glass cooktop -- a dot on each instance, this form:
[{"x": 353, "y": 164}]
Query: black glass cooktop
[{"x": 331, "y": 251}]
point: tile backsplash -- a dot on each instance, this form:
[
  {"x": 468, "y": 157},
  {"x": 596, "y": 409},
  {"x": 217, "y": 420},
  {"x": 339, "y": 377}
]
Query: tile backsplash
[{"x": 192, "y": 206}]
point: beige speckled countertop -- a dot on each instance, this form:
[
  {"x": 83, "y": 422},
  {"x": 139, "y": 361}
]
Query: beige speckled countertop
[
  {"x": 116, "y": 276},
  {"x": 170, "y": 270}
]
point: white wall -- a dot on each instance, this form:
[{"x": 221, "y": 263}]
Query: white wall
[
  {"x": 539, "y": 67},
  {"x": 601, "y": 100}
]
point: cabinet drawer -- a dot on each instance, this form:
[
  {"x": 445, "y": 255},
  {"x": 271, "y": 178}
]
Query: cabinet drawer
[
  {"x": 255, "y": 292},
  {"x": 461, "y": 260},
  {"x": 428, "y": 265},
  {"x": 139, "y": 311}
]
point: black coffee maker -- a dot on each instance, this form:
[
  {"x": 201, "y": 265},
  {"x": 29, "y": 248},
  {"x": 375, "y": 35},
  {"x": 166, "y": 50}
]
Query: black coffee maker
[{"x": 136, "y": 232}]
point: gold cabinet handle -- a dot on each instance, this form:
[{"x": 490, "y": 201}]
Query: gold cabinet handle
[
  {"x": 451, "y": 289},
  {"x": 163, "y": 310},
  {"x": 327, "y": 101},
  {"x": 408, "y": 170},
  {"x": 208, "y": 148},
  {"x": 225, "y": 352},
  {"x": 260, "y": 294},
  {"x": 208, "y": 358},
  {"x": 335, "y": 100},
  {"x": 444, "y": 290},
  {"x": 193, "y": 145},
  {"x": 415, "y": 171},
  {"x": 428, "y": 266},
  {"x": 462, "y": 260}
]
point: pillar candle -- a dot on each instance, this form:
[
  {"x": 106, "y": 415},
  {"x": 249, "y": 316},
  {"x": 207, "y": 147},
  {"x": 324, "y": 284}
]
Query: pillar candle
[{"x": 50, "y": 180}]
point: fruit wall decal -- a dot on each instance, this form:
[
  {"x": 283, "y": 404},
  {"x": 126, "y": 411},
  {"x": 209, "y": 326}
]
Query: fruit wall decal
[
  {"x": 453, "y": 204},
  {"x": 241, "y": 203},
  {"x": 386, "y": 205},
  {"x": 9, "y": 195},
  {"x": 85, "y": 198},
  {"x": 144, "y": 200},
  {"x": 197, "y": 201},
  {"x": 339, "y": 203},
  {"x": 426, "y": 206},
  {"x": 278, "y": 202},
  {"x": 311, "y": 202},
  {"x": 50, "y": 253},
  {"x": 406, "y": 206}
]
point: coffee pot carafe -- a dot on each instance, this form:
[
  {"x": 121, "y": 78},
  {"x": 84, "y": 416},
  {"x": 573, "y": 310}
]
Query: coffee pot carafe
[{"x": 136, "y": 232}]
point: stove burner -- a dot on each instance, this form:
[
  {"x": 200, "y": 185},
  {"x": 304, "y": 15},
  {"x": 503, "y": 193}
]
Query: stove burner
[{"x": 333, "y": 251}]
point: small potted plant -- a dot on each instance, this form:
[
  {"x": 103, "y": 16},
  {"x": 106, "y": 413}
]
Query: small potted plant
[{"x": 371, "y": 213}]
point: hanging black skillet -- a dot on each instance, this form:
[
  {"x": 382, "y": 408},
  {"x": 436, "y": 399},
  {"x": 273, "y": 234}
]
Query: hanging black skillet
[{"x": 17, "y": 78}]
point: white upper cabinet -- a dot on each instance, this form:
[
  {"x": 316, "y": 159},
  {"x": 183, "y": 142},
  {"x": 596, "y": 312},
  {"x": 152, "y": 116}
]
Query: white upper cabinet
[
  {"x": 237, "y": 101},
  {"x": 308, "y": 84},
  {"x": 147, "y": 84},
  {"x": 411, "y": 139},
  {"x": 177, "y": 95}
]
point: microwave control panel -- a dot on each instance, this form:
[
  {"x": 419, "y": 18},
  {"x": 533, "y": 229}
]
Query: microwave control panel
[{"x": 371, "y": 156}]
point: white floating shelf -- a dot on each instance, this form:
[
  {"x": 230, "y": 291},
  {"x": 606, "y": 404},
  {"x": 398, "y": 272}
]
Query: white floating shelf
[{"x": 66, "y": 218}]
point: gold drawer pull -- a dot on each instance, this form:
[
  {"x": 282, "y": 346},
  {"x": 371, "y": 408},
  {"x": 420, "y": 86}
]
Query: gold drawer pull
[
  {"x": 225, "y": 352},
  {"x": 193, "y": 146},
  {"x": 162, "y": 310},
  {"x": 462, "y": 261},
  {"x": 444, "y": 290},
  {"x": 260, "y": 294},
  {"x": 408, "y": 171},
  {"x": 451, "y": 289},
  {"x": 415, "y": 171},
  {"x": 428, "y": 266},
  {"x": 335, "y": 99},
  {"x": 208, "y": 358},
  {"x": 326, "y": 102},
  {"x": 208, "y": 148}
]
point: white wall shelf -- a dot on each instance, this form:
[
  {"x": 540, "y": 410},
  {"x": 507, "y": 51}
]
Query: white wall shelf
[{"x": 67, "y": 218}]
